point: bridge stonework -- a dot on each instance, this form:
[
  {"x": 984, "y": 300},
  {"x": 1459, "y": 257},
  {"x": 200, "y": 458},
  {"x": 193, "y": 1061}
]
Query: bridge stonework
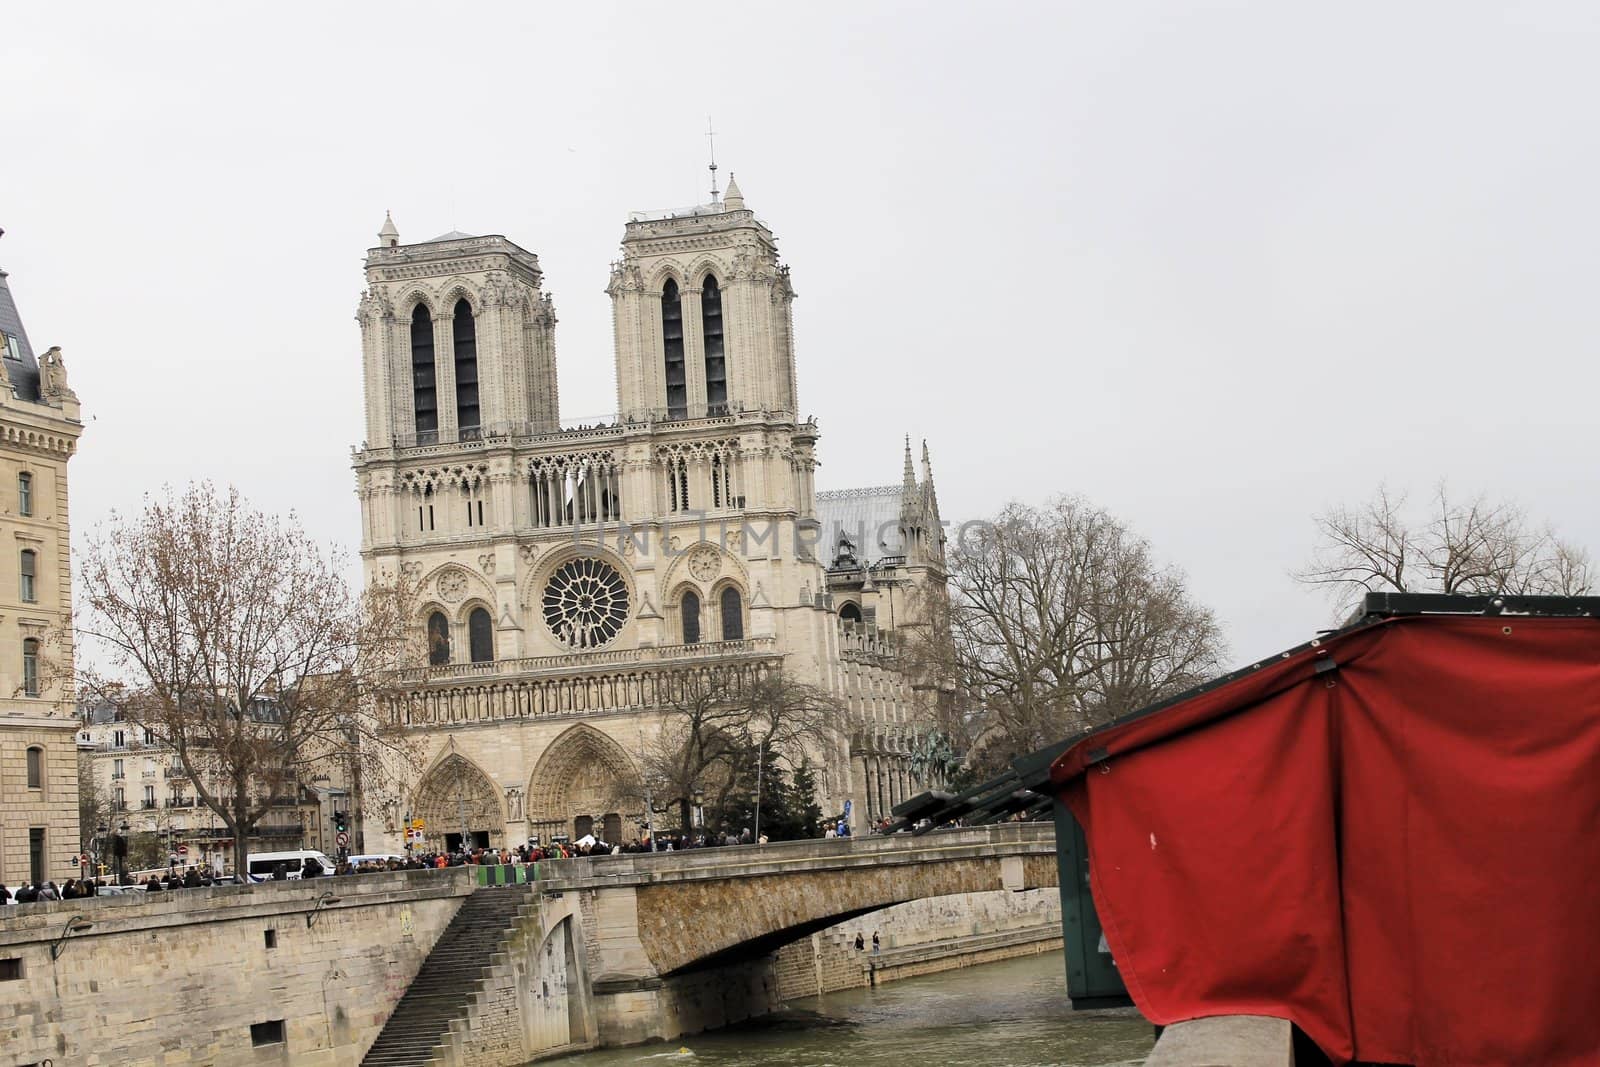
[
  {"x": 608, "y": 951},
  {"x": 683, "y": 943}
]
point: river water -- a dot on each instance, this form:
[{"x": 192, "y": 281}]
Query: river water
[{"x": 1010, "y": 1014}]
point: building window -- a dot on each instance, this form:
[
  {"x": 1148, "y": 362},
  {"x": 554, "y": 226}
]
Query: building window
[
  {"x": 585, "y": 603},
  {"x": 36, "y": 768},
  {"x": 732, "y": 615},
  {"x": 691, "y": 617},
  {"x": 149, "y": 796},
  {"x": 25, "y": 493},
  {"x": 438, "y": 639},
  {"x": 480, "y": 636},
  {"x": 424, "y": 396},
  {"x": 25, "y": 584},
  {"x": 850, "y": 615},
  {"x": 119, "y": 797},
  {"x": 711, "y": 334},
  {"x": 466, "y": 338},
  {"x": 267, "y": 1033},
  {"x": 116, "y": 768},
  {"x": 672, "y": 340},
  {"x": 149, "y": 736},
  {"x": 30, "y": 667},
  {"x": 36, "y": 854},
  {"x": 11, "y": 969}
]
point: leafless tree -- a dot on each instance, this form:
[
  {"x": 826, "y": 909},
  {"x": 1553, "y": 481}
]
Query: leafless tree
[
  {"x": 1061, "y": 619},
  {"x": 720, "y": 722},
  {"x": 1476, "y": 546},
  {"x": 236, "y": 640}
]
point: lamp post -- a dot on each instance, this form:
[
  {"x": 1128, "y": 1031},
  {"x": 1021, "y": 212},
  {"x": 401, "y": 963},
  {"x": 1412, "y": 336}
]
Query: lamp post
[{"x": 761, "y": 751}]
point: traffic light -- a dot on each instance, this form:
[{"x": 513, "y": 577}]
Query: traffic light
[{"x": 341, "y": 821}]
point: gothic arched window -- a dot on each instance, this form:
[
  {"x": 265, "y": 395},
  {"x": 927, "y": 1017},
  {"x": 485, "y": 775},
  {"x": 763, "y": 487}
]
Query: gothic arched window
[
  {"x": 732, "y": 615},
  {"x": 480, "y": 636},
  {"x": 465, "y": 329},
  {"x": 672, "y": 339},
  {"x": 690, "y": 610},
  {"x": 711, "y": 333},
  {"x": 424, "y": 396},
  {"x": 850, "y": 614},
  {"x": 438, "y": 639}
]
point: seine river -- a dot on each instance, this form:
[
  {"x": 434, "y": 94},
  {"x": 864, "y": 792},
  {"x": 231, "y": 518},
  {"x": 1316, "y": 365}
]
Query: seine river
[{"x": 1011, "y": 1014}]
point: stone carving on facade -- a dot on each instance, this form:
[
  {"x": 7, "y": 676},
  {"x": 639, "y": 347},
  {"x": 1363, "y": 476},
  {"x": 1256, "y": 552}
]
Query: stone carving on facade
[
  {"x": 53, "y": 375},
  {"x": 529, "y": 553},
  {"x": 514, "y": 804},
  {"x": 486, "y": 563},
  {"x": 452, "y": 586},
  {"x": 734, "y": 542},
  {"x": 704, "y": 563}
]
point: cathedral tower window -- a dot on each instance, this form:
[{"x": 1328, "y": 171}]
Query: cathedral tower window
[
  {"x": 438, "y": 639},
  {"x": 480, "y": 636},
  {"x": 732, "y": 615},
  {"x": 689, "y": 610},
  {"x": 30, "y": 667},
  {"x": 711, "y": 333},
  {"x": 423, "y": 393},
  {"x": 25, "y": 494},
  {"x": 850, "y": 615},
  {"x": 672, "y": 339},
  {"x": 25, "y": 584},
  {"x": 465, "y": 329},
  {"x": 677, "y": 470}
]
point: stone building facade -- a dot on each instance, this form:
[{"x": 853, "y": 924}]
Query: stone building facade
[
  {"x": 39, "y": 428},
  {"x": 574, "y": 574},
  {"x": 138, "y": 786}
]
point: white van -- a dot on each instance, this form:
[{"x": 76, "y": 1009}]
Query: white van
[{"x": 262, "y": 864}]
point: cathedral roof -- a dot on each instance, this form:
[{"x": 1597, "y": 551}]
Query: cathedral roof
[
  {"x": 453, "y": 235},
  {"x": 869, "y": 517},
  {"x": 20, "y": 365}
]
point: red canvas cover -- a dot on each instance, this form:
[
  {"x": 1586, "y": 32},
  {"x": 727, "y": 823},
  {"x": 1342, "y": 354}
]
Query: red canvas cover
[{"x": 1401, "y": 854}]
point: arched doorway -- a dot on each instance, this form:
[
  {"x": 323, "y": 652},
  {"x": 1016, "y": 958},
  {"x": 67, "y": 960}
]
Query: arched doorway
[
  {"x": 585, "y": 784},
  {"x": 459, "y": 805}
]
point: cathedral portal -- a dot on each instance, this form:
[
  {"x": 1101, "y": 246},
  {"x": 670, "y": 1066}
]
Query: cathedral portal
[
  {"x": 458, "y": 805},
  {"x": 585, "y": 783}
]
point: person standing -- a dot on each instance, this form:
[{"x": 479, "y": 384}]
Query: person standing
[
  {"x": 876, "y": 946},
  {"x": 861, "y": 942}
]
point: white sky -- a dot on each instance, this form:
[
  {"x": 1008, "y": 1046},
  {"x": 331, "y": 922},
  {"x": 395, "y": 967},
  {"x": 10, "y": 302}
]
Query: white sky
[{"x": 1214, "y": 268}]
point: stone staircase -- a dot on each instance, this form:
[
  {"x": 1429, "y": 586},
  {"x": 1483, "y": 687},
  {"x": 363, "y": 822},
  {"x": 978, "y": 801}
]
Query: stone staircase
[{"x": 448, "y": 979}]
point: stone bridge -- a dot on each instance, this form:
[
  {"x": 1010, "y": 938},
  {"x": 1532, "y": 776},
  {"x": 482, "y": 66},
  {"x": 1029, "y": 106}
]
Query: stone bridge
[{"x": 681, "y": 942}]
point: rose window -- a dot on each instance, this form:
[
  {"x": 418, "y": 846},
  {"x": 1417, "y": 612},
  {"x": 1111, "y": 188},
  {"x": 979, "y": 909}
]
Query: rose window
[{"x": 585, "y": 603}]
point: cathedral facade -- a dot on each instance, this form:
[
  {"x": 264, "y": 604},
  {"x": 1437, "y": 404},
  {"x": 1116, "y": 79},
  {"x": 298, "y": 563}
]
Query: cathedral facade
[{"x": 571, "y": 575}]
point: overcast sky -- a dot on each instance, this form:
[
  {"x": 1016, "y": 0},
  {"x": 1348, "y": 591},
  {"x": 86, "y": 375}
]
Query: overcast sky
[{"x": 1214, "y": 267}]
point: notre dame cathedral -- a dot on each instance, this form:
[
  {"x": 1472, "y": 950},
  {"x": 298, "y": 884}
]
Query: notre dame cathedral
[{"x": 569, "y": 572}]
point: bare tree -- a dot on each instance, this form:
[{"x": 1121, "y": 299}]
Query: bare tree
[
  {"x": 1060, "y": 619},
  {"x": 720, "y": 723},
  {"x": 1477, "y": 546},
  {"x": 236, "y": 641}
]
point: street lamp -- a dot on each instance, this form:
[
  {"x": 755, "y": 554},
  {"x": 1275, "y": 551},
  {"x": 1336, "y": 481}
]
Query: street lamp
[
  {"x": 323, "y": 901},
  {"x": 75, "y": 925},
  {"x": 761, "y": 752}
]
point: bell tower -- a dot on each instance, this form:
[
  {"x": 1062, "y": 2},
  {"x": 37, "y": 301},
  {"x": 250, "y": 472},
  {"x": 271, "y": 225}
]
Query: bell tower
[
  {"x": 458, "y": 341},
  {"x": 701, "y": 307}
]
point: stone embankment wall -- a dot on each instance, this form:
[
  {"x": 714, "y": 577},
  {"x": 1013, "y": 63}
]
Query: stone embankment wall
[
  {"x": 228, "y": 975},
  {"x": 921, "y": 937}
]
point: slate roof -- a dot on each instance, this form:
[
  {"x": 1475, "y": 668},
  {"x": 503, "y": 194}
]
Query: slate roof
[
  {"x": 23, "y": 371},
  {"x": 453, "y": 235}
]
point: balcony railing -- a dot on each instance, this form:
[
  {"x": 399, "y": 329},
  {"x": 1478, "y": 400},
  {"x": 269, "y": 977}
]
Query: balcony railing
[
  {"x": 147, "y": 805},
  {"x": 597, "y": 425},
  {"x": 576, "y": 662},
  {"x": 180, "y": 802},
  {"x": 174, "y": 772}
]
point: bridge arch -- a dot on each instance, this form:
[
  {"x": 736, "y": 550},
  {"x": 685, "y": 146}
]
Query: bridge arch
[
  {"x": 459, "y": 804},
  {"x": 585, "y": 783}
]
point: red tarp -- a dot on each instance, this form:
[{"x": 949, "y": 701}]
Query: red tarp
[{"x": 1401, "y": 855}]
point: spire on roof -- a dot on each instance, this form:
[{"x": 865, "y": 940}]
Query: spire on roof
[
  {"x": 927, "y": 465},
  {"x": 388, "y": 237},
  {"x": 909, "y": 482},
  {"x": 733, "y": 199}
]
